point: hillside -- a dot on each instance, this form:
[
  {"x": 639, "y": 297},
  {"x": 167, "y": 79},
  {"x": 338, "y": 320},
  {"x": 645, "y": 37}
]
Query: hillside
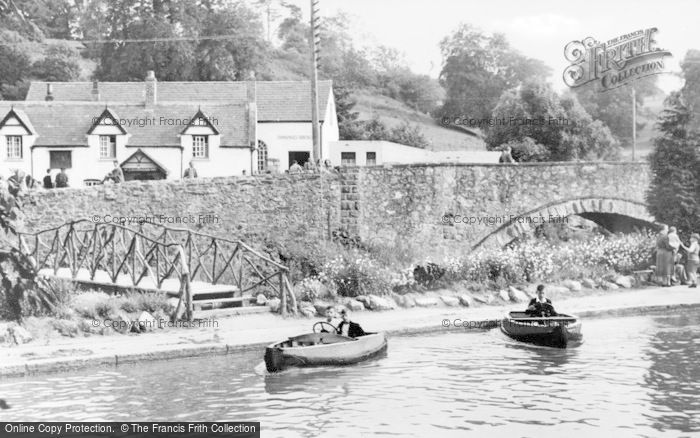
[{"x": 393, "y": 112}]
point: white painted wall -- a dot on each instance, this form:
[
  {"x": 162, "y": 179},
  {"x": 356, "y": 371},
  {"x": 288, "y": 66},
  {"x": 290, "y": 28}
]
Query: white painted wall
[
  {"x": 282, "y": 138},
  {"x": 394, "y": 153},
  {"x": 8, "y": 166},
  {"x": 387, "y": 152},
  {"x": 221, "y": 161}
]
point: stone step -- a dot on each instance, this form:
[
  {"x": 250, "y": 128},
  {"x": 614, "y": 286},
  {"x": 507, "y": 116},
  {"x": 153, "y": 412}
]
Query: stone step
[
  {"x": 230, "y": 311},
  {"x": 214, "y": 302}
]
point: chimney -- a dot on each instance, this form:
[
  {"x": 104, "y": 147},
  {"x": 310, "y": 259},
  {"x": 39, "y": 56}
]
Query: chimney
[
  {"x": 151, "y": 89},
  {"x": 252, "y": 109},
  {"x": 95, "y": 91},
  {"x": 49, "y": 92}
]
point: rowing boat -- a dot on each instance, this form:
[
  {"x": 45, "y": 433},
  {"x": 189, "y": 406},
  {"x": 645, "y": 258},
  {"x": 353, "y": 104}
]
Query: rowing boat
[
  {"x": 315, "y": 349},
  {"x": 554, "y": 331}
]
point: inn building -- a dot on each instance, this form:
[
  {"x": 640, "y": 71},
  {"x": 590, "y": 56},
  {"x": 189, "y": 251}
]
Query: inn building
[{"x": 155, "y": 129}]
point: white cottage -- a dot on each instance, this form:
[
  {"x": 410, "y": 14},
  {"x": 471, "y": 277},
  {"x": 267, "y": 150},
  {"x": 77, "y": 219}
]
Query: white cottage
[{"x": 155, "y": 129}]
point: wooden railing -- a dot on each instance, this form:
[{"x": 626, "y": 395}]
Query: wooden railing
[{"x": 153, "y": 254}]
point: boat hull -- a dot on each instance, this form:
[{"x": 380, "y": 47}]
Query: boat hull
[
  {"x": 319, "y": 349},
  {"x": 551, "y": 332}
]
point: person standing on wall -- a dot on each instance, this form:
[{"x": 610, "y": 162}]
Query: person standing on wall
[
  {"x": 506, "y": 156},
  {"x": 48, "y": 182},
  {"x": 190, "y": 172},
  {"x": 62, "y": 179}
]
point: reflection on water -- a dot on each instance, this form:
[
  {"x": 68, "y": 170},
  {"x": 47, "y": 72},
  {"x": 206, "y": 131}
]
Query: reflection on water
[{"x": 634, "y": 376}]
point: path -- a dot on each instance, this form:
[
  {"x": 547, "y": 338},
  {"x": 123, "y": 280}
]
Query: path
[{"x": 254, "y": 331}]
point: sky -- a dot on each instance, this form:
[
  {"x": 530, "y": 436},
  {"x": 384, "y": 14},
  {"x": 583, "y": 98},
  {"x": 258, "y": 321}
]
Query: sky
[{"x": 538, "y": 29}]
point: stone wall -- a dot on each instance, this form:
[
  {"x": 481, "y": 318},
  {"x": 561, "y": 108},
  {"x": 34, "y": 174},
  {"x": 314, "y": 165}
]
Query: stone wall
[
  {"x": 253, "y": 209},
  {"x": 426, "y": 205},
  {"x": 419, "y": 206}
]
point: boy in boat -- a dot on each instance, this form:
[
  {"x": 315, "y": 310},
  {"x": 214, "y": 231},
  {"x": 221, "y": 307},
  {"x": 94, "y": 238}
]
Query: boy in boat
[
  {"x": 349, "y": 328},
  {"x": 330, "y": 314},
  {"x": 540, "y": 306}
]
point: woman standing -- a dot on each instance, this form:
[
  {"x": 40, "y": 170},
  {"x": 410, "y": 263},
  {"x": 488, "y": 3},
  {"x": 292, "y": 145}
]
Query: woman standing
[
  {"x": 664, "y": 257},
  {"x": 693, "y": 261}
]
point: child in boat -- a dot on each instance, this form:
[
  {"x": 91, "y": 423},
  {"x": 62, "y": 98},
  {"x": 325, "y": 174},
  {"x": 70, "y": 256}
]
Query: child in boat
[
  {"x": 349, "y": 328},
  {"x": 540, "y": 306}
]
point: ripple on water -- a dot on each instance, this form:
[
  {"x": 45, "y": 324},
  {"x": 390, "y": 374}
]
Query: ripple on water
[{"x": 632, "y": 376}]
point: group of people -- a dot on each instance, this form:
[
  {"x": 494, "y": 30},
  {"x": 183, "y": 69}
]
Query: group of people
[
  {"x": 20, "y": 182},
  {"x": 310, "y": 167},
  {"x": 670, "y": 268},
  {"x": 345, "y": 327},
  {"x": 538, "y": 307}
]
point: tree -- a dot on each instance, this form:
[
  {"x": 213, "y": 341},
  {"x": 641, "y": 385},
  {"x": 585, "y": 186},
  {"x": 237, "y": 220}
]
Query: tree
[
  {"x": 348, "y": 126},
  {"x": 560, "y": 125},
  {"x": 478, "y": 68},
  {"x": 233, "y": 58},
  {"x": 14, "y": 67},
  {"x": 410, "y": 135},
  {"x": 59, "y": 65},
  {"x": 674, "y": 194},
  {"x": 614, "y": 107},
  {"x": 23, "y": 292}
]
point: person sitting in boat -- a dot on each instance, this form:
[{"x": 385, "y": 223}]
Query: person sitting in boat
[
  {"x": 349, "y": 328},
  {"x": 541, "y": 306},
  {"x": 330, "y": 314}
]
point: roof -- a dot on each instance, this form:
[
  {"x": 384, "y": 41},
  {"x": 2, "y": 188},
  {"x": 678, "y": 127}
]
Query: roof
[
  {"x": 68, "y": 123},
  {"x": 277, "y": 101}
]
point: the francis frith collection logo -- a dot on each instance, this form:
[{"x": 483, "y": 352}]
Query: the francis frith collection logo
[{"x": 615, "y": 62}]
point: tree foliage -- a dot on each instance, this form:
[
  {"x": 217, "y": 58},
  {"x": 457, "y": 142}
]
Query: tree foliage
[
  {"x": 674, "y": 195},
  {"x": 614, "y": 107},
  {"x": 478, "y": 68},
  {"x": 234, "y": 58},
  {"x": 22, "y": 292},
  {"x": 560, "y": 125},
  {"x": 61, "y": 63}
]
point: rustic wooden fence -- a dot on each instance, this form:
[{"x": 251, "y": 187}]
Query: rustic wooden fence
[{"x": 148, "y": 257}]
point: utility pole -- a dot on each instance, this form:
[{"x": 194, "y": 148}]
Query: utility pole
[
  {"x": 634, "y": 124},
  {"x": 315, "y": 46}
]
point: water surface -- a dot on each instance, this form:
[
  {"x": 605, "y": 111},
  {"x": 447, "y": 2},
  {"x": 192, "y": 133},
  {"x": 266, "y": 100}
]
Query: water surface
[{"x": 634, "y": 376}]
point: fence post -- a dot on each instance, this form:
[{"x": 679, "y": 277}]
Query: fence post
[
  {"x": 185, "y": 282},
  {"x": 283, "y": 295}
]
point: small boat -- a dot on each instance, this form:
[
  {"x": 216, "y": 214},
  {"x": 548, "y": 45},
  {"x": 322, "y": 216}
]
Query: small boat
[
  {"x": 324, "y": 348},
  {"x": 553, "y": 331}
]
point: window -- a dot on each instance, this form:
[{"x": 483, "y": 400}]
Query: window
[
  {"x": 347, "y": 158},
  {"x": 108, "y": 146},
  {"x": 371, "y": 158},
  {"x": 262, "y": 156},
  {"x": 14, "y": 147},
  {"x": 60, "y": 159},
  {"x": 200, "y": 146}
]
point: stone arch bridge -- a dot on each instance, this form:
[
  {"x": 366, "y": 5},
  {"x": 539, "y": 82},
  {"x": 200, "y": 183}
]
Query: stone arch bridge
[
  {"x": 432, "y": 208},
  {"x": 464, "y": 207}
]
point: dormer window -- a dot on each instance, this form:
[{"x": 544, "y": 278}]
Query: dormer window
[
  {"x": 14, "y": 147},
  {"x": 108, "y": 146},
  {"x": 200, "y": 146}
]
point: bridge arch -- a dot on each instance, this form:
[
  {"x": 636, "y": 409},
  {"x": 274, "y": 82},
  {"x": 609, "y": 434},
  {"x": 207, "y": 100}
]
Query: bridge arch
[{"x": 614, "y": 214}]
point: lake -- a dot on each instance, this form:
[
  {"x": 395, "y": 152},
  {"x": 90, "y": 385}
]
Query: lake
[{"x": 632, "y": 376}]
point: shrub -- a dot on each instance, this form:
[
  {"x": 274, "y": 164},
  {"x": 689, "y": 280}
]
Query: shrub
[
  {"x": 94, "y": 305},
  {"x": 358, "y": 275}
]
